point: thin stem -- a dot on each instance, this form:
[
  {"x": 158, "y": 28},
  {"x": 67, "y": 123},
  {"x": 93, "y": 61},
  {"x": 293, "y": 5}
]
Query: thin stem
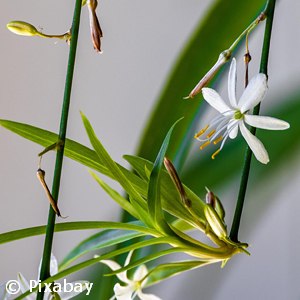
[
  {"x": 269, "y": 12},
  {"x": 45, "y": 267},
  {"x": 57, "y": 36},
  {"x": 246, "y": 32}
]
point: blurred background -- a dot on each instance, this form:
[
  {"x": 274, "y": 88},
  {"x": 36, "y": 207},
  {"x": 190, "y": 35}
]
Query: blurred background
[{"x": 117, "y": 90}]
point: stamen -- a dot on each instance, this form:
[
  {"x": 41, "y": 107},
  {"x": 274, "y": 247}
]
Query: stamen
[
  {"x": 204, "y": 145},
  {"x": 201, "y": 131},
  {"x": 215, "y": 154},
  {"x": 211, "y": 133},
  {"x": 219, "y": 139}
]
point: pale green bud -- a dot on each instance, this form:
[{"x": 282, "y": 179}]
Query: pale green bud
[
  {"x": 22, "y": 28},
  {"x": 215, "y": 223},
  {"x": 216, "y": 203}
]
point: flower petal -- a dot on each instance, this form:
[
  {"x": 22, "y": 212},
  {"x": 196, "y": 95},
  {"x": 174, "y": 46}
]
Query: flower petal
[
  {"x": 123, "y": 292},
  {"x": 215, "y": 100},
  {"x": 128, "y": 258},
  {"x": 147, "y": 296},
  {"x": 233, "y": 132},
  {"x": 232, "y": 84},
  {"x": 140, "y": 273},
  {"x": 254, "y": 92},
  {"x": 266, "y": 122},
  {"x": 53, "y": 266},
  {"x": 255, "y": 144},
  {"x": 115, "y": 266}
]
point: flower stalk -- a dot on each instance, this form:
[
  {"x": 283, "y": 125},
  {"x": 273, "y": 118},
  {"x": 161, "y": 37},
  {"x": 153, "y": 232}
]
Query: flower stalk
[
  {"x": 224, "y": 57},
  {"x": 269, "y": 13},
  {"x": 45, "y": 266}
]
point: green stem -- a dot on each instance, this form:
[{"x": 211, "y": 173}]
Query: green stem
[
  {"x": 269, "y": 12},
  {"x": 45, "y": 267}
]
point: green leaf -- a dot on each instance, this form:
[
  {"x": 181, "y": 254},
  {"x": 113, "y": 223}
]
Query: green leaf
[
  {"x": 118, "y": 175},
  {"x": 164, "y": 271},
  {"x": 73, "y": 150},
  {"x": 154, "y": 195},
  {"x": 171, "y": 200},
  {"x": 98, "y": 241},
  {"x": 82, "y": 225},
  {"x": 215, "y": 32},
  {"x": 89, "y": 158},
  {"x": 124, "y": 203},
  {"x": 149, "y": 258}
]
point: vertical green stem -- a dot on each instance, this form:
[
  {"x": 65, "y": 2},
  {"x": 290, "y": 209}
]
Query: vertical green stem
[
  {"x": 45, "y": 267},
  {"x": 269, "y": 12}
]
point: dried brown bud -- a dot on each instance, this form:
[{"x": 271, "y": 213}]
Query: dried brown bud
[
  {"x": 174, "y": 176},
  {"x": 96, "y": 32}
]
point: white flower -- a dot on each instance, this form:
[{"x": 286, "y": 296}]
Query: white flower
[
  {"x": 24, "y": 285},
  {"x": 133, "y": 287},
  {"x": 233, "y": 116}
]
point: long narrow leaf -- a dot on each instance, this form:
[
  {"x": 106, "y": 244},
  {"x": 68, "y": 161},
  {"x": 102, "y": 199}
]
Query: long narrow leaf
[
  {"x": 164, "y": 271},
  {"x": 89, "y": 158},
  {"x": 124, "y": 203},
  {"x": 171, "y": 200},
  {"x": 98, "y": 241},
  {"x": 38, "y": 230},
  {"x": 149, "y": 258},
  {"x": 112, "y": 166},
  {"x": 154, "y": 195}
]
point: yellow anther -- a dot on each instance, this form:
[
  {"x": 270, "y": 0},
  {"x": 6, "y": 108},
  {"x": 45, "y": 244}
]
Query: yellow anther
[
  {"x": 211, "y": 133},
  {"x": 218, "y": 140},
  {"x": 204, "y": 145},
  {"x": 215, "y": 154},
  {"x": 201, "y": 131}
]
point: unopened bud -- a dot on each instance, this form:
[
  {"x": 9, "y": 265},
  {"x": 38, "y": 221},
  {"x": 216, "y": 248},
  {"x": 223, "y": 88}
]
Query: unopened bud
[
  {"x": 22, "y": 28},
  {"x": 216, "y": 203},
  {"x": 96, "y": 32},
  {"x": 175, "y": 178},
  {"x": 215, "y": 223},
  {"x": 223, "y": 58}
]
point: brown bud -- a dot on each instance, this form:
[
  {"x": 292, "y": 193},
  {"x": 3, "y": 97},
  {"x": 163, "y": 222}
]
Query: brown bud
[{"x": 96, "y": 32}]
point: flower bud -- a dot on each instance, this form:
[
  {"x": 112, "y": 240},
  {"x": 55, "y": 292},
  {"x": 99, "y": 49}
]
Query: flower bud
[
  {"x": 223, "y": 58},
  {"x": 215, "y": 222},
  {"x": 216, "y": 203},
  {"x": 96, "y": 31},
  {"x": 22, "y": 28}
]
